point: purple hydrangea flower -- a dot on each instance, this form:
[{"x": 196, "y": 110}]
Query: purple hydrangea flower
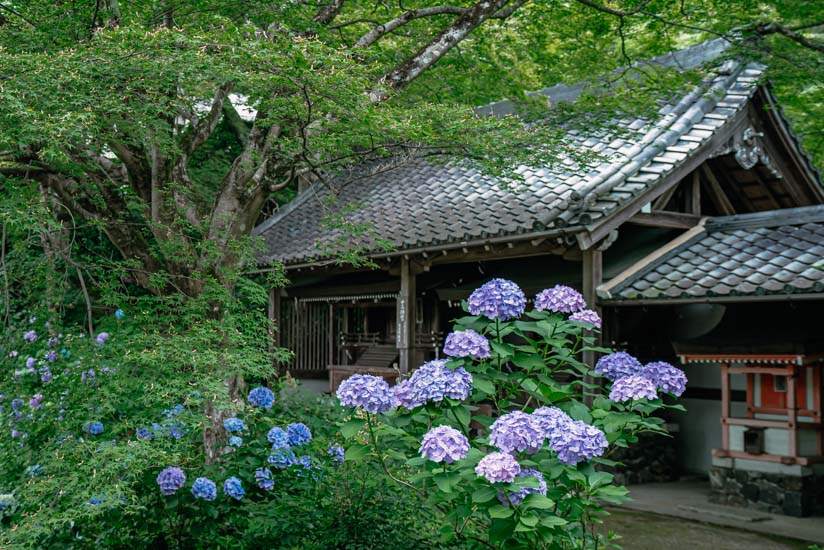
[
  {"x": 560, "y": 299},
  {"x": 102, "y": 337},
  {"x": 667, "y": 378},
  {"x": 263, "y": 477},
  {"x": 278, "y": 438},
  {"x": 586, "y": 316},
  {"x": 262, "y": 397},
  {"x": 52, "y": 342},
  {"x": 233, "y": 425},
  {"x": 444, "y": 444},
  {"x": 467, "y": 343},
  {"x": 517, "y": 431},
  {"x": 517, "y": 497},
  {"x": 30, "y": 336},
  {"x": 51, "y": 356},
  {"x": 370, "y": 393},
  {"x": 234, "y": 441},
  {"x": 234, "y": 488},
  {"x": 298, "y": 434},
  {"x": 30, "y": 362},
  {"x": 170, "y": 480},
  {"x": 550, "y": 419},
  {"x": 45, "y": 375},
  {"x": 93, "y": 428},
  {"x": 633, "y": 387},
  {"x": 618, "y": 365},
  {"x": 87, "y": 375},
  {"x": 336, "y": 452},
  {"x": 204, "y": 488},
  {"x": 34, "y": 402},
  {"x": 282, "y": 457},
  {"x": 578, "y": 441},
  {"x": 498, "y": 468},
  {"x": 498, "y": 299},
  {"x": 433, "y": 381}
]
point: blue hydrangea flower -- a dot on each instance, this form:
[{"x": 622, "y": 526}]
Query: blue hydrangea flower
[
  {"x": 560, "y": 299},
  {"x": 119, "y": 314},
  {"x": 550, "y": 419},
  {"x": 262, "y": 397},
  {"x": 263, "y": 477},
  {"x": 298, "y": 434},
  {"x": 667, "y": 378},
  {"x": 305, "y": 462},
  {"x": 94, "y": 501},
  {"x": 444, "y": 444},
  {"x": 170, "y": 480},
  {"x": 30, "y": 362},
  {"x": 517, "y": 431},
  {"x": 102, "y": 337},
  {"x": 433, "y": 381},
  {"x": 7, "y": 501},
  {"x": 35, "y": 470},
  {"x": 65, "y": 353},
  {"x": 144, "y": 433},
  {"x": 235, "y": 441},
  {"x": 278, "y": 438},
  {"x": 234, "y": 488},
  {"x": 515, "y": 498},
  {"x": 618, "y": 365},
  {"x": 204, "y": 488},
  {"x": 233, "y": 425},
  {"x": 30, "y": 336},
  {"x": 174, "y": 411},
  {"x": 633, "y": 387},
  {"x": 498, "y": 468},
  {"x": 337, "y": 453},
  {"x": 498, "y": 299},
  {"x": 370, "y": 393},
  {"x": 93, "y": 428},
  {"x": 577, "y": 442},
  {"x": 466, "y": 343},
  {"x": 282, "y": 457},
  {"x": 587, "y": 316}
]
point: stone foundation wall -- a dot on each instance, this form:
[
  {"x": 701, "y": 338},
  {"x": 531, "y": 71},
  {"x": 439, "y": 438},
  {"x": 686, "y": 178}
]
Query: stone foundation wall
[
  {"x": 776, "y": 493},
  {"x": 654, "y": 459}
]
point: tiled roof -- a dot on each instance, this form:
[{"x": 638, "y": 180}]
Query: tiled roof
[
  {"x": 765, "y": 253},
  {"x": 419, "y": 205}
]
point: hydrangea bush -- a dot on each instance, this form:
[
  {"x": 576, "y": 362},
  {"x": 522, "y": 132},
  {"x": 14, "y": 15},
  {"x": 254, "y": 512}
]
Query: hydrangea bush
[{"x": 506, "y": 439}]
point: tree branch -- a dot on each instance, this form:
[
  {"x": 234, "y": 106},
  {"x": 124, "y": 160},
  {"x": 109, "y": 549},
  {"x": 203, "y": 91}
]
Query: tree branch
[
  {"x": 613, "y": 11},
  {"x": 328, "y": 13},
  {"x": 201, "y": 131},
  {"x": 773, "y": 28},
  {"x": 380, "y": 30}
]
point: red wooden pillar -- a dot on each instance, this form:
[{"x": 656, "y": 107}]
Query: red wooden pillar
[
  {"x": 725, "y": 406},
  {"x": 792, "y": 412},
  {"x": 406, "y": 317}
]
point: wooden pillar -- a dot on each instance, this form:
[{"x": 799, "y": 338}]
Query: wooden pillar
[
  {"x": 725, "y": 406},
  {"x": 331, "y": 353},
  {"x": 406, "y": 317},
  {"x": 593, "y": 274},
  {"x": 792, "y": 411}
]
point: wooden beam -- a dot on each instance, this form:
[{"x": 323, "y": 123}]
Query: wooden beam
[
  {"x": 593, "y": 275},
  {"x": 406, "y": 317},
  {"x": 716, "y": 192},
  {"x": 661, "y": 202},
  {"x": 660, "y": 218},
  {"x": 695, "y": 194}
]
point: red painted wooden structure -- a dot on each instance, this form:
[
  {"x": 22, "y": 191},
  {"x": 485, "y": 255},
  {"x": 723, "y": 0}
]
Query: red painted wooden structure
[{"x": 791, "y": 403}]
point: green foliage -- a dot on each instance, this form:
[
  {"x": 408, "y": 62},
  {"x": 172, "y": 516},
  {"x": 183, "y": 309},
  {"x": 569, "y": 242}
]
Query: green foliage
[{"x": 528, "y": 362}]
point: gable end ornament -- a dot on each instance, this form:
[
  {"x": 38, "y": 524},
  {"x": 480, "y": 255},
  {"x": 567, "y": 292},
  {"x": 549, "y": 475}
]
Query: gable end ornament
[{"x": 748, "y": 149}]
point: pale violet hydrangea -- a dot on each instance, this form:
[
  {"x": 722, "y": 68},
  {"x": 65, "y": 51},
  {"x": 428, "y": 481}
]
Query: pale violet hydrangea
[
  {"x": 466, "y": 343},
  {"x": 577, "y": 442},
  {"x": 498, "y": 299},
  {"x": 498, "y": 468},
  {"x": 170, "y": 480},
  {"x": 517, "y": 431},
  {"x": 667, "y": 378},
  {"x": 517, "y": 497},
  {"x": 444, "y": 444},
  {"x": 550, "y": 419},
  {"x": 262, "y": 397},
  {"x": 560, "y": 299},
  {"x": 298, "y": 434},
  {"x": 432, "y": 381},
  {"x": 367, "y": 392},
  {"x": 102, "y": 337},
  {"x": 234, "y": 488},
  {"x": 618, "y": 365},
  {"x": 632, "y": 387},
  {"x": 587, "y": 316},
  {"x": 204, "y": 489}
]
